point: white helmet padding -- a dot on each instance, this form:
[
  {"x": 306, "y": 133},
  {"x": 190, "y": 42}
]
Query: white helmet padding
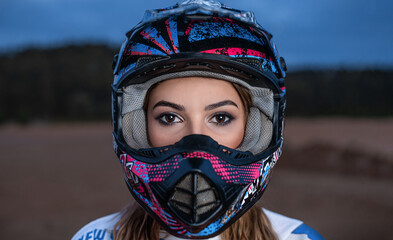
[{"x": 259, "y": 127}]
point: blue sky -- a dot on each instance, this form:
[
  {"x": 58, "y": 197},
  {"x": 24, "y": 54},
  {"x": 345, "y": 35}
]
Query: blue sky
[{"x": 325, "y": 33}]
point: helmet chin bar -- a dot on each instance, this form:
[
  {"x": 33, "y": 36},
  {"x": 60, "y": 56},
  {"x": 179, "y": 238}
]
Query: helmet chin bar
[
  {"x": 194, "y": 198},
  {"x": 194, "y": 193}
]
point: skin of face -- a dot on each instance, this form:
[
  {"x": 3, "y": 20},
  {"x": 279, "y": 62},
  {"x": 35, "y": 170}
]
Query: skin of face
[{"x": 195, "y": 105}]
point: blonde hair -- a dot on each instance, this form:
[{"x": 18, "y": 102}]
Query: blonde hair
[{"x": 136, "y": 224}]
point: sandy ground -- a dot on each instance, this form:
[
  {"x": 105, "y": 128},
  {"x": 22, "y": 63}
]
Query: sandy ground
[
  {"x": 55, "y": 178},
  {"x": 368, "y": 135}
]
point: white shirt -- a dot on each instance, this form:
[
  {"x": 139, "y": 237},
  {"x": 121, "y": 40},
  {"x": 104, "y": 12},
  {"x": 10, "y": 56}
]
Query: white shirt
[{"x": 286, "y": 229}]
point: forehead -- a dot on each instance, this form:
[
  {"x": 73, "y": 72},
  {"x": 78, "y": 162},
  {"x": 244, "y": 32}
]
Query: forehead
[{"x": 197, "y": 89}]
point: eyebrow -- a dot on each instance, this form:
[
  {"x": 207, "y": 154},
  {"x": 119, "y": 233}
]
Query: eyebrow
[
  {"x": 182, "y": 108},
  {"x": 169, "y": 104},
  {"x": 220, "y": 104}
]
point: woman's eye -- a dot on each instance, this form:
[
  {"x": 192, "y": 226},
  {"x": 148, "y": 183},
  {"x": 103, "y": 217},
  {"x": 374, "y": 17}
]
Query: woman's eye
[
  {"x": 168, "y": 118},
  {"x": 222, "y": 119}
]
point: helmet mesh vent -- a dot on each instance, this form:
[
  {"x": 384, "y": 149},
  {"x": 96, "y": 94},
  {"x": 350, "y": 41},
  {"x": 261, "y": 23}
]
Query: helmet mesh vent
[
  {"x": 145, "y": 60},
  {"x": 194, "y": 196},
  {"x": 255, "y": 63}
]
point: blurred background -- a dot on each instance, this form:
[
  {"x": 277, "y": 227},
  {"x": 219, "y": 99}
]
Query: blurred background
[{"x": 58, "y": 169}]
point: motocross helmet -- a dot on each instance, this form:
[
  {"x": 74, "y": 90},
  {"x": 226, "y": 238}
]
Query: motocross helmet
[{"x": 196, "y": 187}]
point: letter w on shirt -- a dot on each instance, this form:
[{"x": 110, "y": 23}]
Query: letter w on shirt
[{"x": 96, "y": 234}]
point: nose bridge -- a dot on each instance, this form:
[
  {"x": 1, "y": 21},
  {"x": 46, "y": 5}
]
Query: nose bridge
[{"x": 197, "y": 126}]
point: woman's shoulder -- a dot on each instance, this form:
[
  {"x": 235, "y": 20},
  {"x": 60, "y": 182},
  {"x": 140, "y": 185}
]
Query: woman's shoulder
[
  {"x": 290, "y": 228},
  {"x": 100, "y": 229}
]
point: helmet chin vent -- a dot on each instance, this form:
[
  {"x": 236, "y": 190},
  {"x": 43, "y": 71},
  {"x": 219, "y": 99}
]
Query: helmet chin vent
[{"x": 194, "y": 199}]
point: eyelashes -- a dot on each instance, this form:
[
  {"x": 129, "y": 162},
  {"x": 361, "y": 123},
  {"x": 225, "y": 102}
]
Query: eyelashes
[
  {"x": 221, "y": 118},
  {"x": 170, "y": 118}
]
